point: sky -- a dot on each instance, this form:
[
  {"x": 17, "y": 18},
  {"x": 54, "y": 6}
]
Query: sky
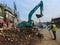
[{"x": 51, "y": 8}]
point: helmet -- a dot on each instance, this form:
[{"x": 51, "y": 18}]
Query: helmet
[{"x": 52, "y": 22}]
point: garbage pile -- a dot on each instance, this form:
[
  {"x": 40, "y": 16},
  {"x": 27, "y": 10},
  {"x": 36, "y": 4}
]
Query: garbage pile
[{"x": 21, "y": 36}]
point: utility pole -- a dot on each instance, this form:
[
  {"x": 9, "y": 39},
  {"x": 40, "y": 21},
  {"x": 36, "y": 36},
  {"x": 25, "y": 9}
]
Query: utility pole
[
  {"x": 15, "y": 13},
  {"x": 15, "y": 7}
]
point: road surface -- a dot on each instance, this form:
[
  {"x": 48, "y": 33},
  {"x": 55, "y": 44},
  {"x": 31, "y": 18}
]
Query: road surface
[{"x": 47, "y": 40}]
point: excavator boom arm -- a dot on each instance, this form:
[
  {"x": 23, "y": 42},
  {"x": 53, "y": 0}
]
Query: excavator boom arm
[{"x": 34, "y": 9}]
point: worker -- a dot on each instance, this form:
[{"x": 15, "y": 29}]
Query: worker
[{"x": 53, "y": 28}]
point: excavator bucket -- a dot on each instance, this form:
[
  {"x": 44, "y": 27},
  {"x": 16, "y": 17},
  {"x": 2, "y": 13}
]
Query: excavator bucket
[{"x": 39, "y": 15}]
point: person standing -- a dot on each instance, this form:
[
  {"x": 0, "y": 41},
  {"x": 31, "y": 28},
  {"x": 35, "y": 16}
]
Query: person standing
[{"x": 53, "y": 28}]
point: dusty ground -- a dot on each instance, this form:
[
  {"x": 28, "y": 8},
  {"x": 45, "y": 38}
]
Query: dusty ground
[{"x": 47, "y": 40}]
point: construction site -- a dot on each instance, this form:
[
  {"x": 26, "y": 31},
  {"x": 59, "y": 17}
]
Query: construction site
[{"x": 13, "y": 31}]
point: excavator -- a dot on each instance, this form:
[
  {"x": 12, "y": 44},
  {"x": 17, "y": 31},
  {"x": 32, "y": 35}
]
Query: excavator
[
  {"x": 28, "y": 30},
  {"x": 30, "y": 21}
]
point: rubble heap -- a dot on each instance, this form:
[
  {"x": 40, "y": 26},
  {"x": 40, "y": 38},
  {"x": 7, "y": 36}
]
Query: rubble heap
[{"x": 22, "y": 36}]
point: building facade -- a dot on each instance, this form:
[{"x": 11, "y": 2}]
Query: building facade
[{"x": 8, "y": 15}]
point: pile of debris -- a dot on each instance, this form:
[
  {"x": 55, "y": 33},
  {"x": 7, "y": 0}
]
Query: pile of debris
[{"x": 22, "y": 36}]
